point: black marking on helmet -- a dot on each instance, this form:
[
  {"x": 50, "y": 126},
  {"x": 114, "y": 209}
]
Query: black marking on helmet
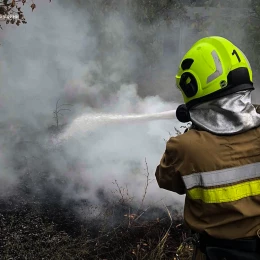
[
  {"x": 223, "y": 83},
  {"x": 186, "y": 64},
  {"x": 238, "y": 76}
]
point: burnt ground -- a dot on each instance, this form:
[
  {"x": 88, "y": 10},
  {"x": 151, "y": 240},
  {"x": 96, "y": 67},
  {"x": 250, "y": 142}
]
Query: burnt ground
[
  {"x": 35, "y": 229},
  {"x": 37, "y": 222}
]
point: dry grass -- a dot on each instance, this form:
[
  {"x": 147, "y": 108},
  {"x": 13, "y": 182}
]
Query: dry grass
[
  {"x": 43, "y": 226},
  {"x": 29, "y": 234},
  {"x": 34, "y": 229}
]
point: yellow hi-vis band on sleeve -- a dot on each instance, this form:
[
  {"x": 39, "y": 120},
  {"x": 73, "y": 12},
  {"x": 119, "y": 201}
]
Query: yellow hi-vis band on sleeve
[
  {"x": 225, "y": 194},
  {"x": 224, "y": 185}
]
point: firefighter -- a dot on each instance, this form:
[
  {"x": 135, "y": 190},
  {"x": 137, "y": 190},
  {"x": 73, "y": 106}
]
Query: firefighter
[{"x": 216, "y": 164}]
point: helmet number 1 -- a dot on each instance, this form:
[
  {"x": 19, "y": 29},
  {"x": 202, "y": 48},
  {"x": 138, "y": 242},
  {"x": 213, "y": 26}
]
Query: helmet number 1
[{"x": 235, "y": 53}]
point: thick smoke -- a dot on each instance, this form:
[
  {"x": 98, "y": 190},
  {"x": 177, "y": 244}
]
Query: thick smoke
[
  {"x": 93, "y": 63},
  {"x": 97, "y": 61}
]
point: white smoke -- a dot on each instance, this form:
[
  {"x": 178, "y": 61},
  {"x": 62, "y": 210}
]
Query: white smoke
[
  {"x": 58, "y": 55},
  {"x": 96, "y": 63}
]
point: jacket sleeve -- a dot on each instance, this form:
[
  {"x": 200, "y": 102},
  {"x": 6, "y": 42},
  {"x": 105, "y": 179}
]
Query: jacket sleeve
[{"x": 167, "y": 175}]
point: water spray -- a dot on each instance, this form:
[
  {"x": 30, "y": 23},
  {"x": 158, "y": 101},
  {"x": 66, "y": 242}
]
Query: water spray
[{"x": 88, "y": 122}]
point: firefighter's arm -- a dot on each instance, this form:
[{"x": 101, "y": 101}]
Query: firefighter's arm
[{"x": 167, "y": 174}]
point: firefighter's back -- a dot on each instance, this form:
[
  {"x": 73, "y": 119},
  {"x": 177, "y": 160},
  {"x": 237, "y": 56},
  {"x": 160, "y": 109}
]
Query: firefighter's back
[{"x": 222, "y": 177}]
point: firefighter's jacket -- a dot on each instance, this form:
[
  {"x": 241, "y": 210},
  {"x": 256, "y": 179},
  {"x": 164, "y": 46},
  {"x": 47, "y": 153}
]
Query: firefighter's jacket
[{"x": 220, "y": 176}]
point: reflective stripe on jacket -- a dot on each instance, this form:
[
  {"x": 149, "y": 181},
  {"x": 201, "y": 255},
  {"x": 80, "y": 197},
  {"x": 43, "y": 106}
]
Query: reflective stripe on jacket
[{"x": 220, "y": 176}]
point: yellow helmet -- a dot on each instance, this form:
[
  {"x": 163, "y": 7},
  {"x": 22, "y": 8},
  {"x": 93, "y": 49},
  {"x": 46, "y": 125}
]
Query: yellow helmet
[{"x": 213, "y": 67}]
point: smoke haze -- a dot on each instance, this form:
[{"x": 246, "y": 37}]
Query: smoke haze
[{"x": 99, "y": 62}]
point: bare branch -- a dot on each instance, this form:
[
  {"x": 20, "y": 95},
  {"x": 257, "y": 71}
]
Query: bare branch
[
  {"x": 57, "y": 111},
  {"x": 64, "y": 105},
  {"x": 63, "y": 109}
]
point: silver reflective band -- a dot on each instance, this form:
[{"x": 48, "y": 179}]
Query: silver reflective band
[
  {"x": 219, "y": 69},
  {"x": 220, "y": 177}
]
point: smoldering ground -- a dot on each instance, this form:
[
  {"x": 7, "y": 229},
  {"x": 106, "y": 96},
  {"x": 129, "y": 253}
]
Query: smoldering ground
[
  {"x": 93, "y": 62},
  {"x": 98, "y": 57},
  {"x": 108, "y": 57}
]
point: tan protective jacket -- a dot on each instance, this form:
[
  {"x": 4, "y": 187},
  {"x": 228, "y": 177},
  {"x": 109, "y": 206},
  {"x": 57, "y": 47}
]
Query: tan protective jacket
[{"x": 220, "y": 176}]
